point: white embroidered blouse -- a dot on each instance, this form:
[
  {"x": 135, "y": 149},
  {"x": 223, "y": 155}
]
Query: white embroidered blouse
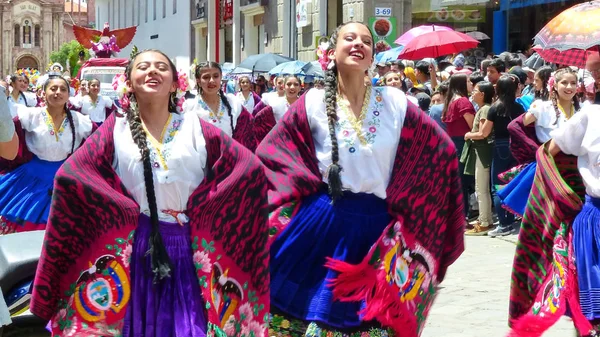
[
  {"x": 178, "y": 162},
  {"x": 580, "y": 136},
  {"x": 545, "y": 119},
  {"x": 96, "y": 110},
  {"x": 220, "y": 119},
  {"x": 46, "y": 142},
  {"x": 367, "y": 149}
]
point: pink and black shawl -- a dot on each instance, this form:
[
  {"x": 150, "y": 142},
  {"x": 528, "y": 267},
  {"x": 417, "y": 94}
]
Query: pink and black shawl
[
  {"x": 424, "y": 196},
  {"x": 523, "y": 140},
  {"x": 244, "y": 130},
  {"x": 544, "y": 278},
  {"x": 93, "y": 218}
]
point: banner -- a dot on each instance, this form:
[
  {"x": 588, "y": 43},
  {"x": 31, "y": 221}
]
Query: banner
[
  {"x": 384, "y": 31},
  {"x": 452, "y": 14},
  {"x": 301, "y": 13},
  {"x": 228, "y": 11}
]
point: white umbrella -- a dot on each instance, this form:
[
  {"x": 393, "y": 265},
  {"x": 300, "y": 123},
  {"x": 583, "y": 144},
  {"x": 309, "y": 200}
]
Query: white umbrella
[{"x": 478, "y": 35}]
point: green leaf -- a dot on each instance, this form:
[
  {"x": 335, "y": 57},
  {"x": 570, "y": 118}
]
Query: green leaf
[
  {"x": 219, "y": 257},
  {"x": 207, "y": 305},
  {"x": 245, "y": 286},
  {"x": 195, "y": 239},
  {"x": 130, "y": 237},
  {"x": 120, "y": 241},
  {"x": 109, "y": 247},
  {"x": 194, "y": 246}
]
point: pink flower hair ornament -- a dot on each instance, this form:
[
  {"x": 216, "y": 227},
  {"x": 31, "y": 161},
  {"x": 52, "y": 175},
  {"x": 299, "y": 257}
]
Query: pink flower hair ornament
[
  {"x": 323, "y": 58},
  {"x": 119, "y": 84},
  {"x": 551, "y": 82}
]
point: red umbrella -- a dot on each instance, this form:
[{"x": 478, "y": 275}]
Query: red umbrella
[
  {"x": 436, "y": 44},
  {"x": 571, "y": 57}
]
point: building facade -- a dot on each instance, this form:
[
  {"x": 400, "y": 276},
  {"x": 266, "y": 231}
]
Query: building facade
[
  {"x": 290, "y": 27},
  {"x": 31, "y": 29},
  {"x": 161, "y": 24}
]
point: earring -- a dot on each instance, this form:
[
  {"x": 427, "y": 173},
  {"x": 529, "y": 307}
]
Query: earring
[{"x": 330, "y": 65}]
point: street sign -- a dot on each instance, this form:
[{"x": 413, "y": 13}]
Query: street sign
[{"x": 383, "y": 11}]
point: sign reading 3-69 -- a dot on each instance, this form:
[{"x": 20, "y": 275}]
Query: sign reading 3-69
[{"x": 383, "y": 11}]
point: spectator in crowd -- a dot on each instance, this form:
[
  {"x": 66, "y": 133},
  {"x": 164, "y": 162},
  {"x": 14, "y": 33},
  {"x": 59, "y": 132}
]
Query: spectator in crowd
[{"x": 495, "y": 69}]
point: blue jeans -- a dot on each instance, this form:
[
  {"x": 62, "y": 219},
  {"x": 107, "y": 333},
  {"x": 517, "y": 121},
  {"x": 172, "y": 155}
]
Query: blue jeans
[{"x": 501, "y": 162}]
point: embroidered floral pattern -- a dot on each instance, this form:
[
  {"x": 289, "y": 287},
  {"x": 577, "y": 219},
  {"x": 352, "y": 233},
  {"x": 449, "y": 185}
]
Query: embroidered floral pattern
[
  {"x": 280, "y": 326},
  {"x": 76, "y": 316},
  {"x": 160, "y": 152},
  {"x": 352, "y": 128},
  {"x": 215, "y": 118},
  {"x": 50, "y": 124},
  {"x": 5, "y": 228},
  {"x": 227, "y": 295}
]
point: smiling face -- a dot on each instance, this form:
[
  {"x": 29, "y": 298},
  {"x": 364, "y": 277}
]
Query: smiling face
[
  {"x": 209, "y": 80},
  {"x": 21, "y": 84},
  {"x": 392, "y": 80},
  {"x": 56, "y": 92},
  {"x": 152, "y": 76},
  {"x": 280, "y": 85},
  {"x": 292, "y": 87},
  {"x": 245, "y": 84},
  {"x": 94, "y": 87},
  {"x": 84, "y": 87},
  {"x": 566, "y": 86},
  {"x": 354, "y": 48}
]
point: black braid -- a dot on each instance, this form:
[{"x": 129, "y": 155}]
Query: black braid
[
  {"x": 228, "y": 106},
  {"x": 334, "y": 177},
  {"x": 555, "y": 105},
  {"x": 159, "y": 258},
  {"x": 72, "y": 125}
]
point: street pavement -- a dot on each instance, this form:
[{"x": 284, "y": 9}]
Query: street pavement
[{"x": 473, "y": 301}]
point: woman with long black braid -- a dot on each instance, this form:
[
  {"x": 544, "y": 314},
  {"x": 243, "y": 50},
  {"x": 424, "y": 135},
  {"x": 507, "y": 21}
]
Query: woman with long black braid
[
  {"x": 226, "y": 111},
  {"x": 47, "y": 136},
  {"x": 154, "y": 201},
  {"x": 362, "y": 183}
]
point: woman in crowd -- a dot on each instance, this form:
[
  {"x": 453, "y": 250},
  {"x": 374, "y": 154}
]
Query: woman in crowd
[
  {"x": 344, "y": 169},
  {"x": 225, "y": 111},
  {"x": 20, "y": 94},
  {"x": 458, "y": 115},
  {"x": 246, "y": 95},
  {"x": 94, "y": 105},
  {"x": 45, "y": 137},
  {"x": 152, "y": 203},
  {"x": 477, "y": 156},
  {"x": 266, "y": 119}
]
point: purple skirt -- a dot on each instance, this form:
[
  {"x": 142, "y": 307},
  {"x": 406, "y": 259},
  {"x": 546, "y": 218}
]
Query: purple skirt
[{"x": 174, "y": 307}]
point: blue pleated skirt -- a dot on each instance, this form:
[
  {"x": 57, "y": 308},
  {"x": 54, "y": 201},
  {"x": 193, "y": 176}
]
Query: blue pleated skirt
[
  {"x": 586, "y": 243},
  {"x": 26, "y": 192},
  {"x": 515, "y": 194},
  {"x": 174, "y": 307},
  {"x": 344, "y": 231}
]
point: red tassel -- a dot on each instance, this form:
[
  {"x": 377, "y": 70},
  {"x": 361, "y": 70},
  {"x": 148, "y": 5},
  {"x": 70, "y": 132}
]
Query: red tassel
[{"x": 354, "y": 282}]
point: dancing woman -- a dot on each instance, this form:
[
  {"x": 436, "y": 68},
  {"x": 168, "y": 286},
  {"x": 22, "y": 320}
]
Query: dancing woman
[
  {"x": 43, "y": 138},
  {"x": 162, "y": 216},
  {"x": 365, "y": 189},
  {"x": 224, "y": 111},
  {"x": 93, "y": 104},
  {"x": 246, "y": 95},
  {"x": 266, "y": 119}
]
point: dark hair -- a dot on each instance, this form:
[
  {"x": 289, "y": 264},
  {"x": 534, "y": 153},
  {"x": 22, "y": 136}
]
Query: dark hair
[
  {"x": 444, "y": 87},
  {"x": 318, "y": 81},
  {"x": 506, "y": 91},
  {"x": 224, "y": 100},
  {"x": 476, "y": 77},
  {"x": 13, "y": 80},
  {"x": 544, "y": 74},
  {"x": 93, "y": 80},
  {"x": 554, "y": 94},
  {"x": 487, "y": 89},
  {"x": 457, "y": 86},
  {"x": 334, "y": 178},
  {"x": 514, "y": 61},
  {"x": 484, "y": 64},
  {"x": 423, "y": 67},
  {"x": 160, "y": 262},
  {"x": 498, "y": 64},
  {"x": 67, "y": 111},
  {"x": 287, "y": 77}
]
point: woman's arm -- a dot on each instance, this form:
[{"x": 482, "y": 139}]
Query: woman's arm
[
  {"x": 9, "y": 141},
  {"x": 469, "y": 118},
  {"x": 529, "y": 118},
  {"x": 484, "y": 131},
  {"x": 553, "y": 148}
]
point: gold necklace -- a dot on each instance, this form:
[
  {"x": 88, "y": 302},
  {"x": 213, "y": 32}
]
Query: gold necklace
[
  {"x": 572, "y": 111},
  {"x": 357, "y": 123}
]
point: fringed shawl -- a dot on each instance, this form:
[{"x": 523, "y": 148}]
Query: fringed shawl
[
  {"x": 244, "y": 130},
  {"x": 424, "y": 197},
  {"x": 523, "y": 140},
  {"x": 544, "y": 280},
  {"x": 93, "y": 219}
]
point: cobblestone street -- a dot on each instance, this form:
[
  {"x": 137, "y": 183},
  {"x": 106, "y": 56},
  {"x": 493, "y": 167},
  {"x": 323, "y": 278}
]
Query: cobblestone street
[{"x": 474, "y": 296}]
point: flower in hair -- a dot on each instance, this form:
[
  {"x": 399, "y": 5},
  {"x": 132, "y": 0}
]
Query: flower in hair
[
  {"x": 183, "y": 85},
  {"x": 322, "y": 55},
  {"x": 551, "y": 82},
  {"x": 119, "y": 84}
]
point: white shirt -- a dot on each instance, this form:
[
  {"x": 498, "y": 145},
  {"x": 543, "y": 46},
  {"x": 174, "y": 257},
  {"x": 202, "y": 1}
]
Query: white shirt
[
  {"x": 247, "y": 103},
  {"x": 580, "y": 136},
  {"x": 545, "y": 119},
  {"x": 220, "y": 120},
  {"x": 280, "y": 106},
  {"x": 96, "y": 110},
  {"x": 43, "y": 141},
  {"x": 267, "y": 97},
  {"x": 366, "y": 167},
  {"x": 27, "y": 99},
  {"x": 177, "y": 172}
]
